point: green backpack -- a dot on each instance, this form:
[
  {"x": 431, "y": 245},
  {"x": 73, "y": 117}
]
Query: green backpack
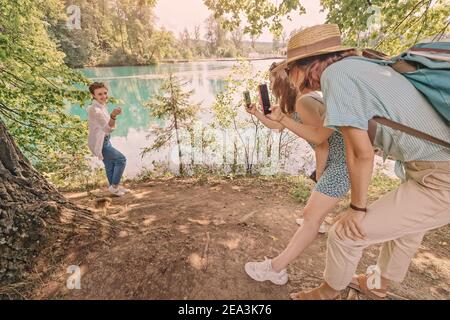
[{"x": 427, "y": 67}]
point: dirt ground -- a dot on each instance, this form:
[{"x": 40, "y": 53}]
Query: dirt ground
[{"x": 190, "y": 240}]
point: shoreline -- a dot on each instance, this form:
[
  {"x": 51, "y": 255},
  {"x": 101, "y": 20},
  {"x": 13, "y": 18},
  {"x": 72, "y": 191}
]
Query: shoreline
[{"x": 175, "y": 61}]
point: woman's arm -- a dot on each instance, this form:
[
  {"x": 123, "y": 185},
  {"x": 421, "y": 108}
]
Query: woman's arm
[
  {"x": 312, "y": 128},
  {"x": 360, "y": 158},
  {"x": 98, "y": 117},
  {"x": 312, "y": 113},
  {"x": 267, "y": 122},
  {"x": 262, "y": 117},
  {"x": 316, "y": 135},
  {"x": 322, "y": 151},
  {"x": 112, "y": 118}
]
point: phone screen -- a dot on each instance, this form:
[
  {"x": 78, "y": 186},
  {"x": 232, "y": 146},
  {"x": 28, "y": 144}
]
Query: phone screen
[
  {"x": 247, "y": 99},
  {"x": 265, "y": 99}
]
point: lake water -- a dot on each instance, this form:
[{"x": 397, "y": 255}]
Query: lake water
[{"x": 134, "y": 86}]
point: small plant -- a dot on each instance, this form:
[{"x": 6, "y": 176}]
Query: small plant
[
  {"x": 381, "y": 184},
  {"x": 173, "y": 105},
  {"x": 302, "y": 189}
]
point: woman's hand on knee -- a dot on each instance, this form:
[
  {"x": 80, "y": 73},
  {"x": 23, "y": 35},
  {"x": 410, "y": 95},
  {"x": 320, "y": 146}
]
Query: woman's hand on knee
[{"x": 349, "y": 225}]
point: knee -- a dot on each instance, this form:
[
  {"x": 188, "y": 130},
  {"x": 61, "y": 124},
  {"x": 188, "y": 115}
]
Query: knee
[
  {"x": 334, "y": 240},
  {"x": 332, "y": 236},
  {"x": 122, "y": 159},
  {"x": 409, "y": 244},
  {"x": 311, "y": 218}
]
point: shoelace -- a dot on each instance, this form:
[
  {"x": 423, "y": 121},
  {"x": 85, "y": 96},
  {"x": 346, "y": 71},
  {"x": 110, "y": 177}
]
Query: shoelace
[
  {"x": 268, "y": 264},
  {"x": 280, "y": 274}
]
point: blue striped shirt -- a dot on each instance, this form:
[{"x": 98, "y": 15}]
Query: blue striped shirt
[{"x": 355, "y": 91}]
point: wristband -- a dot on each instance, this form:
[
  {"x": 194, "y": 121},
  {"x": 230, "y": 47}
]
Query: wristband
[
  {"x": 114, "y": 118},
  {"x": 357, "y": 209}
]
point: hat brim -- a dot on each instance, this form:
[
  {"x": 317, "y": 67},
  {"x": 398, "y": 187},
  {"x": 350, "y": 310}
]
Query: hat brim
[{"x": 285, "y": 63}]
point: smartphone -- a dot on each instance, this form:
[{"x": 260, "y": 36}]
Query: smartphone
[
  {"x": 247, "y": 99},
  {"x": 265, "y": 99}
]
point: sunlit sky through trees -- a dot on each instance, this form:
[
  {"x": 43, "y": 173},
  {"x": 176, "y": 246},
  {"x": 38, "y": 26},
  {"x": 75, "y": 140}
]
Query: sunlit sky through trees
[{"x": 175, "y": 15}]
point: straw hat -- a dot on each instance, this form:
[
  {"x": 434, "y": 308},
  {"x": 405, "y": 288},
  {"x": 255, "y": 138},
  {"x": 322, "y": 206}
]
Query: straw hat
[{"x": 313, "y": 41}]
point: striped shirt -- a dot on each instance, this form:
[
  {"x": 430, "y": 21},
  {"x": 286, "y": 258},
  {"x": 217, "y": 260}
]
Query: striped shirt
[{"x": 355, "y": 91}]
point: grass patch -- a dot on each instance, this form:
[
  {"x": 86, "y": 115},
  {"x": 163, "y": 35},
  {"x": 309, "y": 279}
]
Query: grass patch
[{"x": 302, "y": 189}]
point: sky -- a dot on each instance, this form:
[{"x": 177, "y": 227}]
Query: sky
[{"x": 175, "y": 15}]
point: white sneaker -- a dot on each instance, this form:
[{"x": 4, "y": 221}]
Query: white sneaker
[
  {"x": 262, "y": 271},
  {"x": 323, "y": 227},
  {"x": 115, "y": 191},
  {"x": 124, "y": 190}
]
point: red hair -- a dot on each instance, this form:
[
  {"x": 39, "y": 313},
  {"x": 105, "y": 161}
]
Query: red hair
[{"x": 314, "y": 67}]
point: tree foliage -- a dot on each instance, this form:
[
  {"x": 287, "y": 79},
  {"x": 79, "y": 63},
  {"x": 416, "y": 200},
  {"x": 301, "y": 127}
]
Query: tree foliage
[
  {"x": 124, "y": 32},
  {"x": 35, "y": 86},
  {"x": 113, "y": 32},
  {"x": 35, "y": 219},
  {"x": 173, "y": 105},
  {"x": 250, "y": 138},
  {"x": 389, "y": 26},
  {"x": 258, "y": 14}
]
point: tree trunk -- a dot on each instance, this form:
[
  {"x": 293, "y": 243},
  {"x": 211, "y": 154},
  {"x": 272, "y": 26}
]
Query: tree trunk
[
  {"x": 121, "y": 37},
  {"x": 180, "y": 156},
  {"x": 35, "y": 218},
  {"x": 175, "y": 120},
  {"x": 130, "y": 44}
]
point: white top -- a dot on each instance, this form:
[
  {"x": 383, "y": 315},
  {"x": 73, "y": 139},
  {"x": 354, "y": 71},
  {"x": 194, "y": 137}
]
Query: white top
[
  {"x": 316, "y": 95},
  {"x": 98, "y": 123}
]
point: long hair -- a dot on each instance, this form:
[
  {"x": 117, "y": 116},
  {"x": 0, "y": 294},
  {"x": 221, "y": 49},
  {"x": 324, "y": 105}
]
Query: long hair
[
  {"x": 286, "y": 95},
  {"x": 314, "y": 67}
]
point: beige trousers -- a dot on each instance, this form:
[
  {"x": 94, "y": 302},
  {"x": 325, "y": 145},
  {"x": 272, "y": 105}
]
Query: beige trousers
[{"x": 399, "y": 220}]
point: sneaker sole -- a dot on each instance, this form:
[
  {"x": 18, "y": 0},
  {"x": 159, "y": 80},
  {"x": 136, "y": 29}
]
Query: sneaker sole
[
  {"x": 116, "y": 195},
  {"x": 274, "y": 282}
]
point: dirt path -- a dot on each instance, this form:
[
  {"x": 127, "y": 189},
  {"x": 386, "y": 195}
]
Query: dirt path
[{"x": 190, "y": 240}]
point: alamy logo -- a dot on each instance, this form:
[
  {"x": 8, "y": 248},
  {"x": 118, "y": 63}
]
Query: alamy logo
[
  {"x": 74, "y": 280},
  {"x": 74, "y": 17},
  {"x": 373, "y": 23}
]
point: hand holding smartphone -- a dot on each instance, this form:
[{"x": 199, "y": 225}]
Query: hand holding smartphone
[
  {"x": 265, "y": 99},
  {"x": 116, "y": 111},
  {"x": 247, "y": 99}
]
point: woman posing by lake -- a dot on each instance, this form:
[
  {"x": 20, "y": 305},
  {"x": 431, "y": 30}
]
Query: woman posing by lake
[
  {"x": 302, "y": 112},
  {"x": 101, "y": 124}
]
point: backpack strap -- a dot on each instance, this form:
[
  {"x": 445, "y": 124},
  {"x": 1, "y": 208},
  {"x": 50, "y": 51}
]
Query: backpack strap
[
  {"x": 413, "y": 132},
  {"x": 373, "y": 54},
  {"x": 436, "y": 50},
  {"x": 432, "y": 55}
]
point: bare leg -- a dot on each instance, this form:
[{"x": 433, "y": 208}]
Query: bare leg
[{"x": 314, "y": 213}]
